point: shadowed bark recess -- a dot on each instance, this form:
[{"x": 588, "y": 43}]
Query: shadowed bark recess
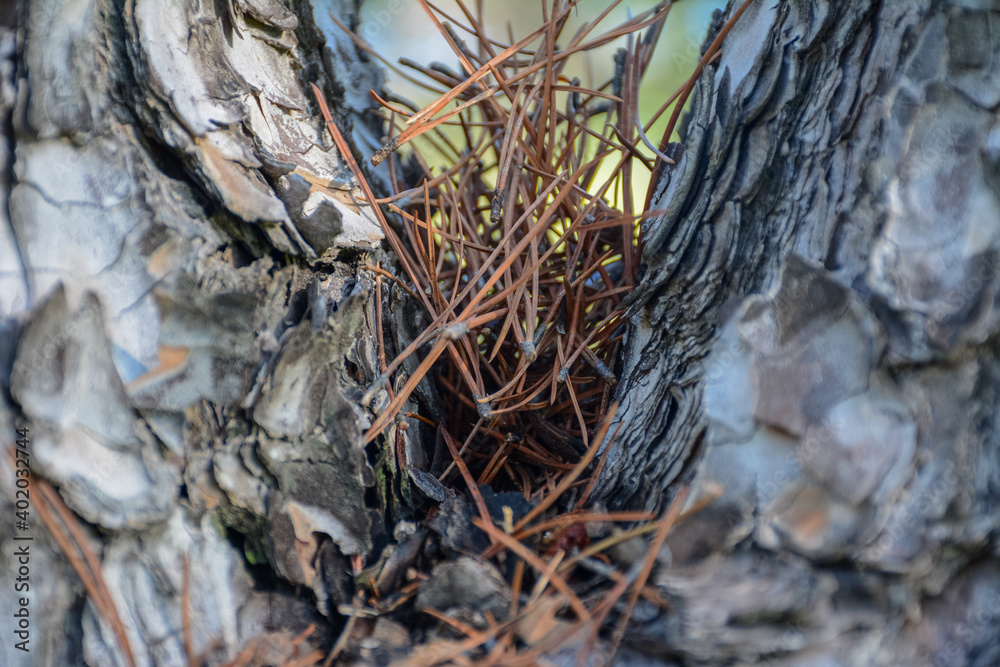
[{"x": 188, "y": 334}]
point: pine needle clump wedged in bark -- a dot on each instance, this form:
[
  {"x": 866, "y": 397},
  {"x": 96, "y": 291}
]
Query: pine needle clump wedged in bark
[{"x": 521, "y": 249}]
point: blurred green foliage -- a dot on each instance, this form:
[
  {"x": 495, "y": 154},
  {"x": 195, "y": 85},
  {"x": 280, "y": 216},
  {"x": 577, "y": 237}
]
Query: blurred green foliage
[{"x": 400, "y": 28}]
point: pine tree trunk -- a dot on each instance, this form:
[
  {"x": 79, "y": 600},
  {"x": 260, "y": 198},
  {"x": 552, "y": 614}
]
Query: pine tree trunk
[
  {"x": 815, "y": 343},
  {"x": 188, "y": 334}
]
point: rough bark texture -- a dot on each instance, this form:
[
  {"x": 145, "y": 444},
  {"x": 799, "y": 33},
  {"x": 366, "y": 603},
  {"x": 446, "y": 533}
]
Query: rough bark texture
[
  {"x": 841, "y": 162},
  {"x": 188, "y": 337},
  {"x": 179, "y": 284}
]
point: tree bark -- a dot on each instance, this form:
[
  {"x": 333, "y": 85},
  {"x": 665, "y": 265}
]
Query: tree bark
[
  {"x": 815, "y": 340},
  {"x": 188, "y": 336},
  {"x": 172, "y": 212}
]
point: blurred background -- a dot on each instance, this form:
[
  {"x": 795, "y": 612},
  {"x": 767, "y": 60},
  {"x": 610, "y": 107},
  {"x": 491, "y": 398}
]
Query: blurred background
[{"x": 400, "y": 28}]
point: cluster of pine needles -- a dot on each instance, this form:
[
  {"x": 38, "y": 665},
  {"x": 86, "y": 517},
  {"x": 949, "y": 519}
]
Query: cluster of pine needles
[
  {"x": 523, "y": 247},
  {"x": 521, "y": 251}
]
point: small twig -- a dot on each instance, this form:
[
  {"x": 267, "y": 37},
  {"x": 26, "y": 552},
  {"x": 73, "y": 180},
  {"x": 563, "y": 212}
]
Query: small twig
[
  {"x": 88, "y": 569},
  {"x": 538, "y": 564},
  {"x": 186, "y": 610},
  {"x": 673, "y": 511},
  {"x": 345, "y": 633},
  {"x": 484, "y": 513}
]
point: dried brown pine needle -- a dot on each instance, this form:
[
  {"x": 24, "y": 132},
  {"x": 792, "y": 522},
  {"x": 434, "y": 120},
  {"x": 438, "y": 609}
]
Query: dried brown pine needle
[
  {"x": 89, "y": 567},
  {"x": 521, "y": 248},
  {"x": 513, "y": 249}
]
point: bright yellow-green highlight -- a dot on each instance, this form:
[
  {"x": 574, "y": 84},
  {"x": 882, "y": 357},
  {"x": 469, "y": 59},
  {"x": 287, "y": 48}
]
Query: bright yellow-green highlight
[{"x": 405, "y": 31}]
